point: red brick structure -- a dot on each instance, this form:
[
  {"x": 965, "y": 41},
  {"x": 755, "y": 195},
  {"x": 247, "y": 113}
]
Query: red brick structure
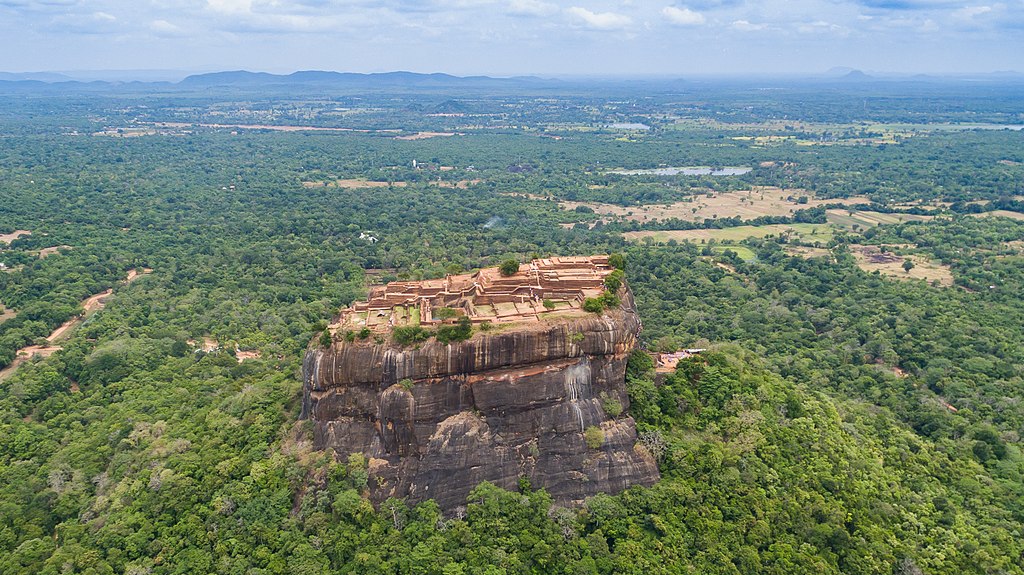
[{"x": 485, "y": 296}]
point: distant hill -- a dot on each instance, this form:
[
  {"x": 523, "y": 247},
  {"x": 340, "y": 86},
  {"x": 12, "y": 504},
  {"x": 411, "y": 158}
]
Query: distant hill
[
  {"x": 33, "y": 76},
  {"x": 351, "y": 79},
  {"x": 856, "y": 76}
]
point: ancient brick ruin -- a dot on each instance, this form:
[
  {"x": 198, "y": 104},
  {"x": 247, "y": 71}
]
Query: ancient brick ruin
[{"x": 485, "y": 296}]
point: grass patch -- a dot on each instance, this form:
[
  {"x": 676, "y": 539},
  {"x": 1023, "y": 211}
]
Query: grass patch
[
  {"x": 854, "y": 220},
  {"x": 806, "y": 233},
  {"x": 746, "y": 254}
]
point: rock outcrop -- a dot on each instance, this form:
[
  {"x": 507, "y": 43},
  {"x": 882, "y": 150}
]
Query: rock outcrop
[{"x": 543, "y": 399}]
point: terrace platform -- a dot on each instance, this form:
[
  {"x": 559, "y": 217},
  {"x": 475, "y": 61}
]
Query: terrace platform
[{"x": 485, "y": 296}]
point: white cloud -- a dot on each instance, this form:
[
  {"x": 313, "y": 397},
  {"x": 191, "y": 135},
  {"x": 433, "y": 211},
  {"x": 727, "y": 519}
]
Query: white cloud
[
  {"x": 746, "y": 26},
  {"x": 531, "y": 8},
  {"x": 821, "y": 27},
  {"x": 230, "y": 6},
  {"x": 682, "y": 16},
  {"x": 165, "y": 28},
  {"x": 969, "y": 12},
  {"x": 599, "y": 20}
]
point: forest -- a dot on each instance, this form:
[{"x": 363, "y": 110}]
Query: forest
[{"x": 841, "y": 421}]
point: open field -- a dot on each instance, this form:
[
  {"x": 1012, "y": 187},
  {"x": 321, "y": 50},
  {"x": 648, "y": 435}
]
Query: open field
[
  {"x": 268, "y": 127},
  {"x": 352, "y": 184},
  {"x": 870, "y": 259},
  {"x": 817, "y": 127},
  {"x": 8, "y": 238},
  {"x": 746, "y": 254},
  {"x": 1016, "y": 245},
  {"x": 1001, "y": 213},
  {"x": 807, "y": 252},
  {"x": 45, "y": 252},
  {"x": 128, "y": 132},
  {"x": 746, "y": 205},
  {"x": 884, "y": 138},
  {"x": 355, "y": 184},
  {"x": 426, "y": 135},
  {"x": 684, "y": 171},
  {"x": 850, "y": 219},
  {"x": 803, "y": 232}
]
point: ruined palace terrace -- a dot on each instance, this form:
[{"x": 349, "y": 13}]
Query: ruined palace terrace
[{"x": 543, "y": 288}]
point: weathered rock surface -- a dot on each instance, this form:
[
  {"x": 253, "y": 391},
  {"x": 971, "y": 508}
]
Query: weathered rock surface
[{"x": 496, "y": 407}]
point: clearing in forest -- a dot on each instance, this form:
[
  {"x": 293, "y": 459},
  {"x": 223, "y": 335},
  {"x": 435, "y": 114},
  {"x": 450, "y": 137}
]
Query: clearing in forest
[
  {"x": 6, "y": 313},
  {"x": 1001, "y": 213},
  {"x": 269, "y": 127},
  {"x": 746, "y": 205},
  {"x": 8, "y": 238},
  {"x": 743, "y": 252},
  {"x": 807, "y": 233},
  {"x": 45, "y": 252},
  {"x": 871, "y": 258},
  {"x": 90, "y": 305},
  {"x": 426, "y": 135},
  {"x": 857, "y": 220},
  {"x": 354, "y": 184},
  {"x": 807, "y": 252}
]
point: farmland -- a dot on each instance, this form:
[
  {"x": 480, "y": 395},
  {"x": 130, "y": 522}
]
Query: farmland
[
  {"x": 853, "y": 219},
  {"x": 809, "y": 233},
  {"x": 748, "y": 204}
]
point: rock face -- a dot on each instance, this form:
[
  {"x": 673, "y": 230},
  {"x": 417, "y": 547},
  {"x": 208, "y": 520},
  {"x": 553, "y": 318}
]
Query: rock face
[{"x": 436, "y": 420}]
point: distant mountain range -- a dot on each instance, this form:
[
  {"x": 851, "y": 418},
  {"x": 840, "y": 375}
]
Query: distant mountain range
[
  {"x": 317, "y": 77},
  {"x": 54, "y": 82},
  {"x": 242, "y": 79}
]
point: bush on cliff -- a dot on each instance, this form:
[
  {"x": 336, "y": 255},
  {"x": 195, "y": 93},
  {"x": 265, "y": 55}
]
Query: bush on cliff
[
  {"x": 405, "y": 335},
  {"x": 461, "y": 331},
  {"x": 508, "y": 267},
  {"x": 614, "y": 280},
  {"x": 601, "y": 303}
]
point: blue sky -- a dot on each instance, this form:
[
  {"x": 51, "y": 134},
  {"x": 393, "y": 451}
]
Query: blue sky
[{"x": 501, "y": 37}]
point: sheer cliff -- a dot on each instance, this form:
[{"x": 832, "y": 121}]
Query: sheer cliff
[{"x": 540, "y": 396}]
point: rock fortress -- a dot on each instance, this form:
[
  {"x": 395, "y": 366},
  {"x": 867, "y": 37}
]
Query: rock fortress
[{"x": 533, "y": 389}]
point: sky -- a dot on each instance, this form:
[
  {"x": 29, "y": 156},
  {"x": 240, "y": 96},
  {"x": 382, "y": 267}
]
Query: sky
[{"x": 513, "y": 37}]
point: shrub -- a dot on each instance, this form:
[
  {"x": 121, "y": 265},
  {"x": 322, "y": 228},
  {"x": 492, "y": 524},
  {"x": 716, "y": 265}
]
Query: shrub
[
  {"x": 508, "y": 267},
  {"x": 593, "y": 305},
  {"x": 364, "y": 333},
  {"x": 614, "y": 280},
  {"x": 444, "y": 313},
  {"x": 609, "y": 299},
  {"x": 548, "y": 304},
  {"x": 407, "y": 384},
  {"x": 325, "y": 338},
  {"x": 617, "y": 261},
  {"x": 611, "y": 406},
  {"x": 594, "y": 436},
  {"x": 410, "y": 334},
  {"x": 461, "y": 331}
]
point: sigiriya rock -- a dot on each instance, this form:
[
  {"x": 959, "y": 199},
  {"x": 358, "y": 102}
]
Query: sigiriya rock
[{"x": 533, "y": 385}]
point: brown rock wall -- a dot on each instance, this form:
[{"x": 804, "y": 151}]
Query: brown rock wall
[{"x": 496, "y": 407}]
